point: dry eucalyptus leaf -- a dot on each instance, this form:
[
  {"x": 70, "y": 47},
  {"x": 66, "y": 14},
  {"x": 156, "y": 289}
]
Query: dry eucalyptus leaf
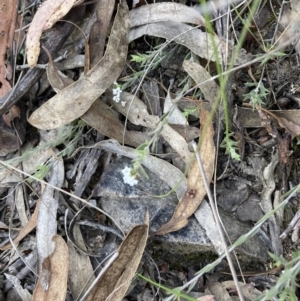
[
  {"x": 46, "y": 227},
  {"x": 210, "y": 89},
  {"x": 116, "y": 280},
  {"x": 8, "y": 12},
  {"x": 57, "y": 79},
  {"x": 166, "y": 171},
  {"x": 45, "y": 11},
  {"x": 77, "y": 98},
  {"x": 48, "y": 13},
  {"x": 166, "y": 11},
  {"x": 196, "y": 40},
  {"x": 52, "y": 283},
  {"x": 98, "y": 32},
  {"x": 177, "y": 142},
  {"x": 105, "y": 120},
  {"x": 195, "y": 186},
  {"x": 136, "y": 111},
  {"x": 61, "y": 11},
  {"x": 80, "y": 267}
]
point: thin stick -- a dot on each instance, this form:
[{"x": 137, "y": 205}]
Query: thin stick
[{"x": 213, "y": 207}]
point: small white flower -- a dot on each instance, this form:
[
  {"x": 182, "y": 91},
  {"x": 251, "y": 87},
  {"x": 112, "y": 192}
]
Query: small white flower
[
  {"x": 128, "y": 178},
  {"x": 123, "y": 103},
  {"x": 116, "y": 99},
  {"x": 116, "y": 92}
]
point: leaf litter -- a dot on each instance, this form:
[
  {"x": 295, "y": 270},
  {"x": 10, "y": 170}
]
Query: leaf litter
[
  {"x": 81, "y": 94},
  {"x": 83, "y": 97}
]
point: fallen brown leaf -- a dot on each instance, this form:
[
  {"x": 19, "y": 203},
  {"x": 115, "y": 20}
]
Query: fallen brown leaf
[
  {"x": 49, "y": 13},
  {"x": 77, "y": 98},
  {"x": 195, "y": 184},
  {"x": 52, "y": 283},
  {"x": 105, "y": 120},
  {"x": 98, "y": 32},
  {"x": 35, "y": 30},
  {"x": 57, "y": 79},
  {"x": 116, "y": 280},
  {"x": 61, "y": 11},
  {"x": 8, "y": 12},
  {"x": 80, "y": 268}
]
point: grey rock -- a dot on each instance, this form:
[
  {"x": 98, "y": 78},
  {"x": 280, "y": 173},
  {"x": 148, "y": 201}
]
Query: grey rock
[
  {"x": 253, "y": 247},
  {"x": 250, "y": 210},
  {"x": 231, "y": 194},
  {"x": 128, "y": 205}
]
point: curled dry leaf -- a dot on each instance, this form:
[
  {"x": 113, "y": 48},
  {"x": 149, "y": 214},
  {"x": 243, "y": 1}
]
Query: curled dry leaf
[
  {"x": 52, "y": 283},
  {"x": 195, "y": 185},
  {"x": 210, "y": 89},
  {"x": 196, "y": 40},
  {"x": 35, "y": 30},
  {"x": 116, "y": 280},
  {"x": 57, "y": 79},
  {"x": 166, "y": 11},
  {"x": 77, "y": 98}
]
